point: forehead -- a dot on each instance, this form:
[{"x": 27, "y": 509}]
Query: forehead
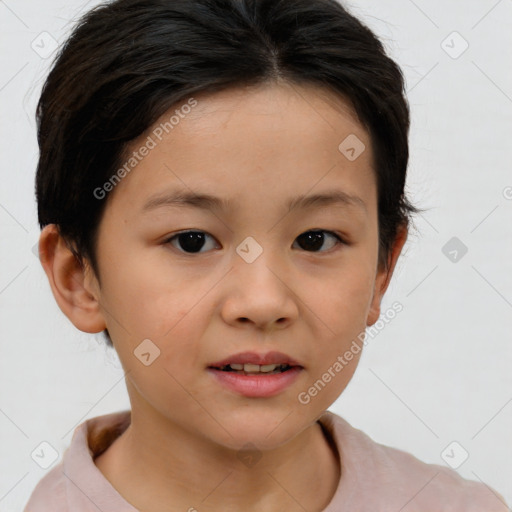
[
  {"x": 280, "y": 102},
  {"x": 271, "y": 140}
]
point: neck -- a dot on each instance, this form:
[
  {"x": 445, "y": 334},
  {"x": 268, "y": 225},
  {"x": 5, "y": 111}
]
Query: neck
[{"x": 156, "y": 462}]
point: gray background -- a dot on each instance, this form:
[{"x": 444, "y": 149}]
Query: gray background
[{"x": 439, "y": 372}]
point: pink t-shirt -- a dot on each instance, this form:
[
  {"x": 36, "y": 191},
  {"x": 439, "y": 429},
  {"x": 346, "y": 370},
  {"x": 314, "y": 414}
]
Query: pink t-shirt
[{"x": 374, "y": 478}]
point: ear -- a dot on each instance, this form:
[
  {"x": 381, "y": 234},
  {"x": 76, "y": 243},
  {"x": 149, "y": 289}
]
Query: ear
[
  {"x": 384, "y": 275},
  {"x": 75, "y": 289}
]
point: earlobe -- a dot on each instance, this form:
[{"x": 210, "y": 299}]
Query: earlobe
[
  {"x": 384, "y": 276},
  {"x": 76, "y": 297}
]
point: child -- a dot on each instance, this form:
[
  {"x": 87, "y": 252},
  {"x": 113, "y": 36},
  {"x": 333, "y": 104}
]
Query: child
[{"x": 273, "y": 134}]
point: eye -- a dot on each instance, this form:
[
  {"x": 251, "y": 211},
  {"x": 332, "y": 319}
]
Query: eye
[
  {"x": 190, "y": 241},
  {"x": 193, "y": 241},
  {"x": 314, "y": 239}
]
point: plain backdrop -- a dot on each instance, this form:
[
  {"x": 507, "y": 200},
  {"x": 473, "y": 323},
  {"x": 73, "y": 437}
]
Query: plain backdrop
[{"x": 438, "y": 373}]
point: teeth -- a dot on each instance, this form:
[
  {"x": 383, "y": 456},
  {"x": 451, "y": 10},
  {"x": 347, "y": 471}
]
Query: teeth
[
  {"x": 255, "y": 368},
  {"x": 268, "y": 367},
  {"x": 251, "y": 367}
]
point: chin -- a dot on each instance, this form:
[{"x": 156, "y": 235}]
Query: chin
[{"x": 265, "y": 430}]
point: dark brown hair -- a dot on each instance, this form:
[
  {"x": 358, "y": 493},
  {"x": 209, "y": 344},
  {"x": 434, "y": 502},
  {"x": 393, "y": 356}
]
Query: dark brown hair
[{"x": 127, "y": 62}]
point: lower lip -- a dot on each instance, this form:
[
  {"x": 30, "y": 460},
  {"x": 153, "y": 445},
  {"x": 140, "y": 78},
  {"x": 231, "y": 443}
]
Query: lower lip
[{"x": 257, "y": 385}]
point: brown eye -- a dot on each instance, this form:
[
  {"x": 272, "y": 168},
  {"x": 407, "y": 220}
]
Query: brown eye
[
  {"x": 189, "y": 241},
  {"x": 314, "y": 239}
]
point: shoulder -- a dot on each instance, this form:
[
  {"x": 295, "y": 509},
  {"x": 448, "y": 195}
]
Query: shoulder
[
  {"x": 402, "y": 479},
  {"x": 76, "y": 482},
  {"x": 438, "y": 485},
  {"x": 49, "y": 495}
]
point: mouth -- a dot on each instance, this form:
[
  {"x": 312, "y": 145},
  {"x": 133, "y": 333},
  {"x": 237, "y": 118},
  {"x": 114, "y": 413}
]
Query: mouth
[
  {"x": 254, "y": 369},
  {"x": 256, "y": 375},
  {"x": 253, "y": 362}
]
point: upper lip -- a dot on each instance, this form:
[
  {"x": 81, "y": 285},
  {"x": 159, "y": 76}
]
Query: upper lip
[{"x": 255, "y": 358}]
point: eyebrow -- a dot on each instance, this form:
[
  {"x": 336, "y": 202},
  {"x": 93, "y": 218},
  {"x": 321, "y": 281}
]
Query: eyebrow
[{"x": 209, "y": 202}]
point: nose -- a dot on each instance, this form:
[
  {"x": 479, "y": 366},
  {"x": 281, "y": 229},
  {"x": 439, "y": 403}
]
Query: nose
[{"x": 260, "y": 294}]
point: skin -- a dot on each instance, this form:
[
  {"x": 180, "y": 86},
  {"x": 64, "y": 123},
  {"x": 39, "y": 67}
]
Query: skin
[{"x": 258, "y": 147}]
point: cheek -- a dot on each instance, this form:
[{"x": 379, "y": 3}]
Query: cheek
[
  {"x": 342, "y": 306},
  {"x": 342, "y": 303},
  {"x": 144, "y": 303},
  {"x": 173, "y": 361},
  {"x": 325, "y": 384},
  {"x": 145, "y": 300}
]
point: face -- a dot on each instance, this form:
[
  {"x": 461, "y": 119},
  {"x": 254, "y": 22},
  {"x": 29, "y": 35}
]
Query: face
[{"x": 260, "y": 270}]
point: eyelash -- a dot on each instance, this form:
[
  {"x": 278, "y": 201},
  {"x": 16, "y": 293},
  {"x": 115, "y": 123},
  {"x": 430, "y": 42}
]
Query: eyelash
[{"x": 339, "y": 240}]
